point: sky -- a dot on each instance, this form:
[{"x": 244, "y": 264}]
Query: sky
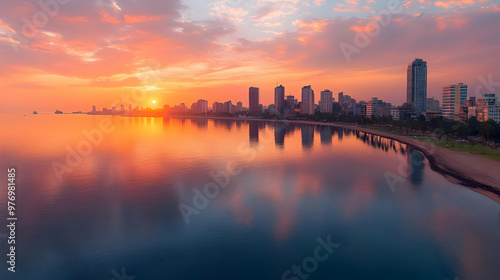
[{"x": 72, "y": 54}]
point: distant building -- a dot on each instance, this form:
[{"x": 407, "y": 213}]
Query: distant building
[
  {"x": 279, "y": 100},
  {"x": 94, "y": 109},
  {"x": 239, "y": 106},
  {"x": 217, "y": 107},
  {"x": 403, "y": 112},
  {"x": 416, "y": 88},
  {"x": 341, "y": 98},
  {"x": 253, "y": 96},
  {"x": 290, "y": 104},
  {"x": 486, "y": 108},
  {"x": 453, "y": 97},
  {"x": 307, "y": 106},
  {"x": 326, "y": 101},
  {"x": 432, "y": 104},
  {"x": 378, "y": 108},
  {"x": 122, "y": 108},
  {"x": 272, "y": 109},
  {"x": 228, "y": 107},
  {"x": 200, "y": 107}
]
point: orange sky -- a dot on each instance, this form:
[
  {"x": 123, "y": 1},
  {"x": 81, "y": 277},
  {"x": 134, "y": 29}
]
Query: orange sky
[{"x": 70, "y": 55}]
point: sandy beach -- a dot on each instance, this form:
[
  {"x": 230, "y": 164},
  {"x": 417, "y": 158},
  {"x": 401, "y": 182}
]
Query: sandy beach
[{"x": 477, "y": 173}]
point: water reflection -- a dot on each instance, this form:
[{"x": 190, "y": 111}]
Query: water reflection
[
  {"x": 120, "y": 207},
  {"x": 417, "y": 166},
  {"x": 326, "y": 134},
  {"x": 253, "y": 130},
  {"x": 307, "y": 132},
  {"x": 279, "y": 134}
]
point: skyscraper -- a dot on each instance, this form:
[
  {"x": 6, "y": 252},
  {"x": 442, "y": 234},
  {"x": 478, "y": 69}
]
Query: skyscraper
[
  {"x": 290, "y": 105},
  {"x": 279, "y": 99},
  {"x": 253, "y": 97},
  {"x": 326, "y": 101},
  {"x": 453, "y": 97},
  {"x": 416, "y": 86},
  {"x": 307, "y": 106}
]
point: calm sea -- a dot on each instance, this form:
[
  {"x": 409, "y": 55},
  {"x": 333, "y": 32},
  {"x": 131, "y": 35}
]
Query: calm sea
[{"x": 101, "y": 197}]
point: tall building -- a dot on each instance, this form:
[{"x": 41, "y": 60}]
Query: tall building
[
  {"x": 326, "y": 101},
  {"x": 253, "y": 96},
  {"x": 290, "y": 103},
  {"x": 200, "y": 107},
  {"x": 217, "y": 107},
  {"x": 453, "y": 97},
  {"x": 94, "y": 109},
  {"x": 239, "y": 106},
  {"x": 228, "y": 107},
  {"x": 341, "y": 98},
  {"x": 279, "y": 100},
  {"x": 416, "y": 87},
  {"x": 307, "y": 106}
]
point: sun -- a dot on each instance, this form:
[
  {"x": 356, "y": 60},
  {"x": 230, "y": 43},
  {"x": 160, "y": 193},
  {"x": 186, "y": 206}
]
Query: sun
[{"x": 154, "y": 101}]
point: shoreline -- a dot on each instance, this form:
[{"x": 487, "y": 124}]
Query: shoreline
[{"x": 474, "y": 172}]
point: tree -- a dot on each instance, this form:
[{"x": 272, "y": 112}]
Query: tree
[
  {"x": 472, "y": 142},
  {"x": 474, "y": 126},
  {"x": 488, "y": 130},
  {"x": 462, "y": 131},
  {"x": 422, "y": 123}
]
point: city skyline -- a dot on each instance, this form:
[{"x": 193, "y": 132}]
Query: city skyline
[{"x": 217, "y": 51}]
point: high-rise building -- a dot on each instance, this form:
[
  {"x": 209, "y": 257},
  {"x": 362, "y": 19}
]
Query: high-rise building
[
  {"x": 279, "y": 100},
  {"x": 253, "y": 96},
  {"x": 239, "y": 106},
  {"x": 217, "y": 107},
  {"x": 326, "y": 101},
  {"x": 94, "y": 109},
  {"x": 453, "y": 97},
  {"x": 228, "y": 107},
  {"x": 341, "y": 98},
  {"x": 307, "y": 106},
  {"x": 290, "y": 103},
  {"x": 200, "y": 107},
  {"x": 416, "y": 87}
]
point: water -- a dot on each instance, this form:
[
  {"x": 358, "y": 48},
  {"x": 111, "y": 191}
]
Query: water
[{"x": 289, "y": 189}]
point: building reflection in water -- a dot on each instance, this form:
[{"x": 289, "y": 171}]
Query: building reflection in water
[
  {"x": 416, "y": 166},
  {"x": 253, "y": 127},
  {"x": 307, "y": 136},
  {"x": 340, "y": 134},
  {"x": 279, "y": 134},
  {"x": 325, "y": 133},
  {"x": 200, "y": 123}
]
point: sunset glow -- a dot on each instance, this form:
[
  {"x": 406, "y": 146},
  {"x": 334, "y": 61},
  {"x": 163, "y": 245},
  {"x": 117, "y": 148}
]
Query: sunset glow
[{"x": 82, "y": 53}]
